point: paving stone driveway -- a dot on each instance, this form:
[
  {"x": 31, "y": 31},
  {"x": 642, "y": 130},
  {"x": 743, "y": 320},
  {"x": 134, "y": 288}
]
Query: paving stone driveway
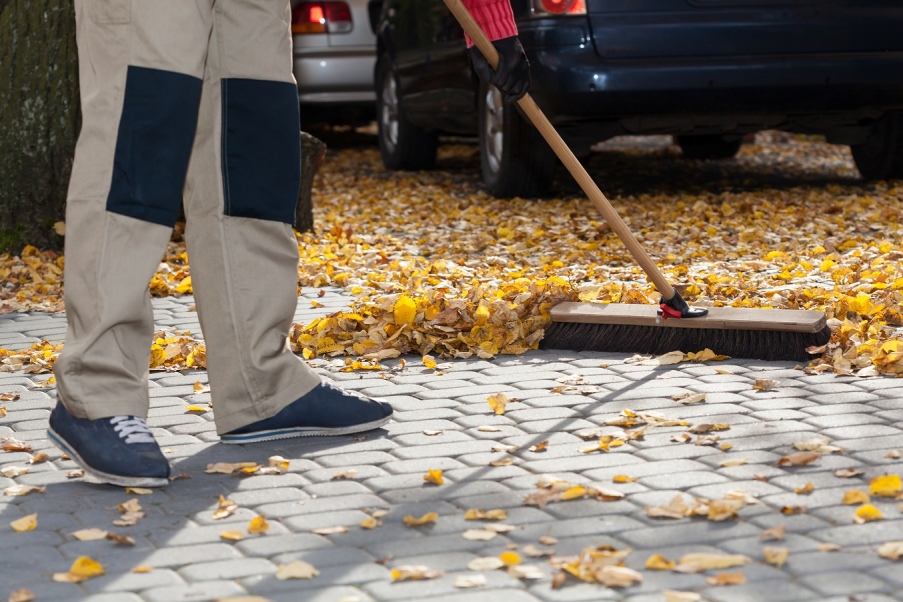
[{"x": 181, "y": 540}]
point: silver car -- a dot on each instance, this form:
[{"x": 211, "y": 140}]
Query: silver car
[{"x": 334, "y": 55}]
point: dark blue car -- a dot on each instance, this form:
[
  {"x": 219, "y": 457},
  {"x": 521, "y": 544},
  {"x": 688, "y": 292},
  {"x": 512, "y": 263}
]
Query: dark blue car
[{"x": 705, "y": 71}]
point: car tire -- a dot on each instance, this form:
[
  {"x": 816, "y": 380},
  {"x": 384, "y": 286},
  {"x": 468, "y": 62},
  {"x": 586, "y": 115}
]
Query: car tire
[
  {"x": 880, "y": 157},
  {"x": 710, "y": 146},
  {"x": 515, "y": 159},
  {"x": 403, "y": 145}
]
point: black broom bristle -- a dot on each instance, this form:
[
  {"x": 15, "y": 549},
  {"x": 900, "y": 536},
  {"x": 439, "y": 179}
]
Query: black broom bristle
[{"x": 768, "y": 345}]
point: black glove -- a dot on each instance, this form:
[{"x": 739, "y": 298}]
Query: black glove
[{"x": 512, "y": 77}]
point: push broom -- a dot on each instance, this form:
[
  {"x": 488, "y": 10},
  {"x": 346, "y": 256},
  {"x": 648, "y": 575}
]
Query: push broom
[{"x": 767, "y": 334}]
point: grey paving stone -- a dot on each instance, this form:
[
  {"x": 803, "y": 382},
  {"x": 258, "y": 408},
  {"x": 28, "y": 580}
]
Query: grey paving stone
[
  {"x": 208, "y": 590},
  {"x": 863, "y": 431},
  {"x": 776, "y": 591},
  {"x": 121, "y": 583},
  {"x": 227, "y": 569},
  {"x": 695, "y": 532},
  {"x": 844, "y": 582},
  {"x": 329, "y": 575},
  {"x": 331, "y": 556}
]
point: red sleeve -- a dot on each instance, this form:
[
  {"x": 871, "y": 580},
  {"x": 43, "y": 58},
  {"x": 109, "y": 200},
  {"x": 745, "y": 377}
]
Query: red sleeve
[{"x": 493, "y": 16}]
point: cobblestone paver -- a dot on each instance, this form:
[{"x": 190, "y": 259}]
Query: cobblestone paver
[{"x": 438, "y": 415}]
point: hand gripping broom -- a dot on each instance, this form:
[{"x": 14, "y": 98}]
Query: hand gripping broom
[{"x": 774, "y": 334}]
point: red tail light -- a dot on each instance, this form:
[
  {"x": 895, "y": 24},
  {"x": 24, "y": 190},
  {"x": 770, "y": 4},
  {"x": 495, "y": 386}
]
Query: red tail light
[
  {"x": 321, "y": 17},
  {"x": 559, "y": 7}
]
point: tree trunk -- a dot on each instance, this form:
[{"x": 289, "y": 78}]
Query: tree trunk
[
  {"x": 313, "y": 150},
  {"x": 39, "y": 119}
]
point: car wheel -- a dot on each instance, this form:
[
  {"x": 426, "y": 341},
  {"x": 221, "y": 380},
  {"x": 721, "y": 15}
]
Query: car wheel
[
  {"x": 712, "y": 146},
  {"x": 515, "y": 159},
  {"x": 402, "y": 144},
  {"x": 880, "y": 157}
]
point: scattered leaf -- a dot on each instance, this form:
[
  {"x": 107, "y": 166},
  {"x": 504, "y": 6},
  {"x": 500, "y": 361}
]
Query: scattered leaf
[
  {"x": 886, "y": 486},
  {"x": 495, "y": 514},
  {"x": 497, "y": 403},
  {"x": 539, "y": 447},
  {"x": 726, "y": 579},
  {"x": 296, "y": 569},
  {"x": 485, "y": 563},
  {"x": 468, "y": 581},
  {"x": 38, "y": 458},
  {"x": 20, "y": 489},
  {"x": 846, "y": 473},
  {"x": 805, "y": 489},
  {"x": 429, "y": 517},
  {"x": 90, "y": 534},
  {"x": 534, "y": 552},
  {"x": 330, "y": 530},
  {"x": 776, "y": 533},
  {"x": 9, "y": 396},
  {"x": 225, "y": 508},
  {"x": 573, "y": 493},
  {"x": 506, "y": 461},
  {"x": 120, "y": 539},
  {"x": 855, "y": 496},
  {"x": 26, "y": 523},
  {"x": 370, "y": 523},
  {"x": 279, "y": 463},
  {"x": 677, "y": 508},
  {"x": 351, "y": 473},
  {"x": 525, "y": 571},
  {"x": 894, "y": 454},
  {"x": 432, "y": 433},
  {"x": 433, "y": 476},
  {"x": 229, "y": 468},
  {"x": 867, "y": 513},
  {"x": 479, "y": 534},
  {"x": 776, "y": 556},
  {"x": 622, "y": 478},
  {"x": 82, "y": 569},
  {"x": 11, "y": 444},
  {"x": 891, "y": 550},
  {"x": 821, "y": 445},
  {"x": 509, "y": 558},
  {"x": 75, "y": 474},
  {"x": 657, "y": 562},
  {"x": 488, "y": 429},
  {"x": 232, "y": 535},
  {"x": 689, "y": 398},
  {"x": 799, "y": 458},
  {"x": 142, "y": 569},
  {"x": 23, "y": 594},
  {"x": 258, "y": 525},
  {"x": 11, "y": 472},
  {"x": 703, "y": 561},
  {"x": 139, "y": 490},
  {"x": 734, "y": 462},
  {"x": 791, "y": 510},
  {"x": 828, "y": 547},
  {"x": 414, "y": 573},
  {"x": 766, "y": 384}
]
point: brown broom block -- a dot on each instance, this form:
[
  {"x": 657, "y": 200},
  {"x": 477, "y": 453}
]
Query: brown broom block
[{"x": 738, "y": 332}]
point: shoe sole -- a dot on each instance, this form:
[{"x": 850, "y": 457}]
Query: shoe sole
[
  {"x": 104, "y": 477},
  {"x": 302, "y": 431}
]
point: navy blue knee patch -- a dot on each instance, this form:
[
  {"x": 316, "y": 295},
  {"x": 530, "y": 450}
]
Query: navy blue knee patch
[
  {"x": 261, "y": 149},
  {"x": 156, "y": 133}
]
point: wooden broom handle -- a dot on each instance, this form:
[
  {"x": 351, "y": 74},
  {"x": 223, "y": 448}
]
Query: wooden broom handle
[{"x": 535, "y": 115}]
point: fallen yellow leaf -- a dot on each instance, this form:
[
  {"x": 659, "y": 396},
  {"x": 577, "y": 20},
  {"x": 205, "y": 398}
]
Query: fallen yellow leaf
[
  {"x": 657, "y": 562},
  {"x": 867, "y": 513},
  {"x": 258, "y": 525},
  {"x": 82, "y": 569},
  {"x": 296, "y": 569},
  {"x": 855, "y": 496},
  {"x": 497, "y": 403},
  {"x": 427, "y": 518},
  {"x": 886, "y": 486},
  {"x": 509, "y": 558},
  {"x": 232, "y": 535},
  {"x": 434, "y": 477},
  {"x": 776, "y": 556},
  {"x": 26, "y": 523}
]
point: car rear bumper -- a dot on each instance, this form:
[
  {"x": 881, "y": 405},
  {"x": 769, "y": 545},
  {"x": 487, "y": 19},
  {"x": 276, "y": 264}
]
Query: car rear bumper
[
  {"x": 573, "y": 82},
  {"x": 335, "y": 75}
]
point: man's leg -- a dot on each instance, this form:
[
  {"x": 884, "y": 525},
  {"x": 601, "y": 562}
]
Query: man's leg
[
  {"x": 240, "y": 199},
  {"x": 140, "y": 70}
]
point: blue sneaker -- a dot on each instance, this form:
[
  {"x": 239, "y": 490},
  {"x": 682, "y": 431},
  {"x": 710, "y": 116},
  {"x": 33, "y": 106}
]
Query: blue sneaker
[
  {"x": 120, "y": 450},
  {"x": 325, "y": 410}
]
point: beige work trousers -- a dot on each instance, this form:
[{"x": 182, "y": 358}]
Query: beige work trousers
[{"x": 183, "y": 101}]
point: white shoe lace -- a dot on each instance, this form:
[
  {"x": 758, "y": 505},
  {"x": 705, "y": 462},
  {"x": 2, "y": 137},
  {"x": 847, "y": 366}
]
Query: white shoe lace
[{"x": 132, "y": 429}]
